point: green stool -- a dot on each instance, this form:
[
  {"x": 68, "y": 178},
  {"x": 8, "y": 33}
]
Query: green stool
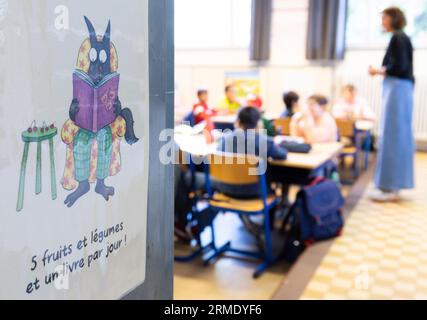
[{"x": 37, "y": 135}]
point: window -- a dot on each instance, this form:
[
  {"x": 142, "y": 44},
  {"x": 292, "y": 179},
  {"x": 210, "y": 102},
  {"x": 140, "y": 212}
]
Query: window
[
  {"x": 212, "y": 23},
  {"x": 364, "y": 22}
]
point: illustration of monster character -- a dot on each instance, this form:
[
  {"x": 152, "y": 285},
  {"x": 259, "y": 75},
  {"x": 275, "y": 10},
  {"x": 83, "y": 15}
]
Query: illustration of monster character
[{"x": 97, "y": 122}]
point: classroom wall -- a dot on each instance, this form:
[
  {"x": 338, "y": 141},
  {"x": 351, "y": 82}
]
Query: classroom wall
[{"x": 287, "y": 68}]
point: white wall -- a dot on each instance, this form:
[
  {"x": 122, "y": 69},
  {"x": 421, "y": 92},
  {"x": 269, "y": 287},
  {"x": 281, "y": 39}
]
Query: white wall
[{"x": 287, "y": 68}]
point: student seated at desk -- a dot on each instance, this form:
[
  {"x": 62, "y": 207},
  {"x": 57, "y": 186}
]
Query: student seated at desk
[
  {"x": 229, "y": 104},
  {"x": 290, "y": 99},
  {"x": 202, "y": 113},
  {"x": 238, "y": 141},
  {"x": 201, "y": 110},
  {"x": 351, "y": 106},
  {"x": 314, "y": 123}
]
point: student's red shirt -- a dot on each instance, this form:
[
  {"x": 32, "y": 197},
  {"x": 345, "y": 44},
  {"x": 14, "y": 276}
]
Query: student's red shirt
[{"x": 201, "y": 112}]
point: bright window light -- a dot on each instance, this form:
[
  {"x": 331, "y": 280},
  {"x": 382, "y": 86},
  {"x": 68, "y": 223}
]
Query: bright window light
[
  {"x": 364, "y": 22},
  {"x": 212, "y": 23}
]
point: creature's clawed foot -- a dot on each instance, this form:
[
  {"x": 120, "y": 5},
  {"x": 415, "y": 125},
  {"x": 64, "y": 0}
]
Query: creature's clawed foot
[
  {"x": 81, "y": 190},
  {"x": 103, "y": 190}
]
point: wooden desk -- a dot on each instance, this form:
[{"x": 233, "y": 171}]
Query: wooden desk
[
  {"x": 364, "y": 125},
  {"x": 194, "y": 145},
  {"x": 224, "y": 122},
  {"x": 297, "y": 169},
  {"x": 318, "y": 156},
  {"x": 229, "y": 118}
]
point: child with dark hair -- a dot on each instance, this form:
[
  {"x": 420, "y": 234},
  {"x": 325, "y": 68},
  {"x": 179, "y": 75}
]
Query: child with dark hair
[
  {"x": 242, "y": 141},
  {"x": 257, "y": 143},
  {"x": 315, "y": 124},
  {"x": 249, "y": 118},
  {"x": 290, "y": 99}
]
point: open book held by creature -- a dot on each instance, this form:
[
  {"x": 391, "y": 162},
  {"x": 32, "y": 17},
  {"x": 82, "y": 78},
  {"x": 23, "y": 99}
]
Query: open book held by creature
[
  {"x": 96, "y": 101},
  {"x": 97, "y": 120}
]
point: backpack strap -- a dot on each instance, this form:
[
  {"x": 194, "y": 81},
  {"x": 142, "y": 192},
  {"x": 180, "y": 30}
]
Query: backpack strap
[{"x": 316, "y": 180}]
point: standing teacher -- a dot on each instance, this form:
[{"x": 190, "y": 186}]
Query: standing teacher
[{"x": 395, "y": 162}]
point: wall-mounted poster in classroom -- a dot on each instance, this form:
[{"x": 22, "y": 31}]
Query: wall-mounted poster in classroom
[
  {"x": 74, "y": 109},
  {"x": 247, "y": 83}
]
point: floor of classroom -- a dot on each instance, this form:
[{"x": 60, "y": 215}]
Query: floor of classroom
[
  {"x": 228, "y": 277},
  {"x": 381, "y": 255},
  {"x": 383, "y": 251}
]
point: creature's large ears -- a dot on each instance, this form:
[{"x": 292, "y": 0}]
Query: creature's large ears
[
  {"x": 107, "y": 33},
  {"x": 92, "y": 33}
]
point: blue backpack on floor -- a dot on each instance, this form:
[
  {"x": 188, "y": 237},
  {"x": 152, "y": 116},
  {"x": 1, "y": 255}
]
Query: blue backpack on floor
[{"x": 315, "y": 215}]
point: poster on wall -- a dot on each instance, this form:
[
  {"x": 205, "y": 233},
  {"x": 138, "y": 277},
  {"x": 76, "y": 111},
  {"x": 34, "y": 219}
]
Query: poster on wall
[
  {"x": 246, "y": 83},
  {"x": 74, "y": 109}
]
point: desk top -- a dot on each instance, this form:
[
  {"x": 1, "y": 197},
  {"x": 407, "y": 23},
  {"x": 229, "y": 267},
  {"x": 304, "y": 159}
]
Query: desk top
[
  {"x": 194, "y": 144},
  {"x": 319, "y": 154},
  {"x": 229, "y": 118},
  {"x": 364, "y": 125}
]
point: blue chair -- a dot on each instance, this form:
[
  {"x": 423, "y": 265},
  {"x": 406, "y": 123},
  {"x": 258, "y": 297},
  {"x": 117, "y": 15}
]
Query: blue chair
[
  {"x": 241, "y": 170},
  {"x": 189, "y": 119},
  {"x": 366, "y": 145},
  {"x": 194, "y": 215}
]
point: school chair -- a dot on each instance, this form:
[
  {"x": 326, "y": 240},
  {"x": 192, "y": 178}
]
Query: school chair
[
  {"x": 282, "y": 126},
  {"x": 195, "y": 216},
  {"x": 241, "y": 170},
  {"x": 347, "y": 129},
  {"x": 367, "y": 147},
  {"x": 364, "y": 133},
  {"x": 189, "y": 119}
]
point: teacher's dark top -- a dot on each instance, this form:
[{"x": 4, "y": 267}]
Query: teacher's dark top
[{"x": 398, "y": 59}]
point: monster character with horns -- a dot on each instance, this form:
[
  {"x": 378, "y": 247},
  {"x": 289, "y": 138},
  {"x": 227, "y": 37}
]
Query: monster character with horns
[{"x": 97, "y": 122}]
